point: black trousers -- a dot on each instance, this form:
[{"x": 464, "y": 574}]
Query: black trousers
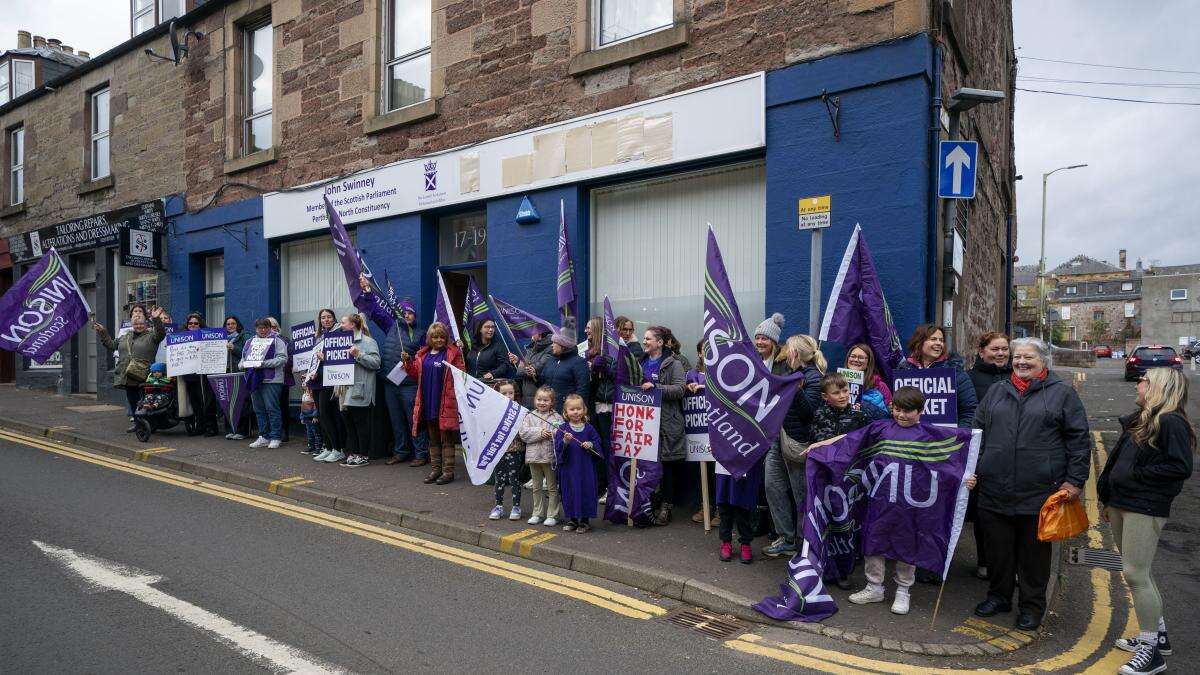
[
  {"x": 674, "y": 481},
  {"x": 358, "y": 429},
  {"x": 600, "y": 464},
  {"x": 333, "y": 428},
  {"x": 980, "y": 533},
  {"x": 1016, "y": 559},
  {"x": 743, "y": 518},
  {"x": 133, "y": 393},
  {"x": 204, "y": 403}
]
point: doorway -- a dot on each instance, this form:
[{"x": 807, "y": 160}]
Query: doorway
[
  {"x": 8, "y": 365},
  {"x": 84, "y": 342},
  {"x": 462, "y": 256}
]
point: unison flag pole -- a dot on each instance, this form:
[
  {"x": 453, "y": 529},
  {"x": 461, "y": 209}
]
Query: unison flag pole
[
  {"x": 632, "y": 490},
  {"x": 704, "y": 495}
]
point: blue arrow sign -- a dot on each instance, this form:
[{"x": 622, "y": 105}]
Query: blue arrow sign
[{"x": 956, "y": 169}]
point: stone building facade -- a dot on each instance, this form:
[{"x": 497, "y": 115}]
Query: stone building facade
[
  {"x": 1171, "y": 305},
  {"x": 1025, "y": 301},
  {"x": 1097, "y": 302}
]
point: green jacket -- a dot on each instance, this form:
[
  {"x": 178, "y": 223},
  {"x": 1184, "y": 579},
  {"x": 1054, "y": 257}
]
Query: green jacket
[{"x": 135, "y": 353}]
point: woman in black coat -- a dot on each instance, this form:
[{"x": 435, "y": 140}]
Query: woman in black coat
[
  {"x": 991, "y": 366},
  {"x": 203, "y": 402},
  {"x": 1035, "y": 443},
  {"x": 1142, "y": 476},
  {"x": 487, "y": 359}
]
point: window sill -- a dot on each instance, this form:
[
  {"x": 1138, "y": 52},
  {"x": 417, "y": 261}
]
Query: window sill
[
  {"x": 260, "y": 158},
  {"x": 13, "y": 210},
  {"x": 90, "y": 186},
  {"x": 397, "y": 118},
  {"x": 631, "y": 50}
]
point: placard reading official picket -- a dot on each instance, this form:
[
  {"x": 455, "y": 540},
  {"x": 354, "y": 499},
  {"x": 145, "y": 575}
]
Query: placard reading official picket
[
  {"x": 636, "y": 422},
  {"x": 304, "y": 342},
  {"x": 695, "y": 427},
  {"x": 193, "y": 352},
  {"x": 339, "y": 364},
  {"x": 941, "y": 393}
]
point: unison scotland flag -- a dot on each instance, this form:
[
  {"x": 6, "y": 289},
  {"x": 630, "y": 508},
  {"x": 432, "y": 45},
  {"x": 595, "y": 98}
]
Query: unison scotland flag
[
  {"x": 231, "y": 394},
  {"x": 353, "y": 267},
  {"x": 566, "y": 275},
  {"x": 442, "y": 311},
  {"x": 487, "y": 421},
  {"x": 42, "y": 310},
  {"x": 627, "y": 370},
  {"x": 883, "y": 490},
  {"x": 521, "y": 324},
  {"x": 746, "y": 403},
  {"x": 857, "y": 310},
  {"x": 475, "y": 312}
]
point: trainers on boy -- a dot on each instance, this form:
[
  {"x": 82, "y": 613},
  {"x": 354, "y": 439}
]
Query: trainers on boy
[
  {"x": 229, "y": 436},
  {"x": 320, "y": 456},
  {"x": 726, "y": 551},
  {"x": 334, "y": 457},
  {"x": 550, "y": 522},
  {"x": 273, "y": 444},
  {"x": 237, "y": 437},
  {"x": 747, "y": 554},
  {"x": 900, "y": 604},
  {"x": 534, "y": 520},
  {"x": 1146, "y": 661},
  {"x": 497, "y": 511},
  {"x": 1132, "y": 644},
  {"x": 515, "y": 514},
  {"x": 260, "y": 442},
  {"x": 356, "y": 461},
  {"x": 780, "y": 547},
  {"x": 569, "y": 527},
  {"x": 871, "y": 593}
]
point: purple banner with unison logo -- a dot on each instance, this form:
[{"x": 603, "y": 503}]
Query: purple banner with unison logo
[
  {"x": 617, "y": 505},
  {"x": 746, "y": 403},
  {"x": 883, "y": 490},
  {"x": 42, "y": 310},
  {"x": 230, "y": 391}
]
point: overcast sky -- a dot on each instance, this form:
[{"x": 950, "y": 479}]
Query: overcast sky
[{"x": 1139, "y": 190}]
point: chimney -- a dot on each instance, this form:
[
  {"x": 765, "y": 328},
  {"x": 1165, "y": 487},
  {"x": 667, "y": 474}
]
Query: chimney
[
  {"x": 39, "y": 42},
  {"x": 24, "y": 39},
  {"x": 71, "y": 50},
  {"x": 1121, "y": 256},
  {"x": 55, "y": 44},
  {"x": 84, "y": 55}
]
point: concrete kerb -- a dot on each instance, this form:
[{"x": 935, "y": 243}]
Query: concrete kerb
[{"x": 664, "y": 584}]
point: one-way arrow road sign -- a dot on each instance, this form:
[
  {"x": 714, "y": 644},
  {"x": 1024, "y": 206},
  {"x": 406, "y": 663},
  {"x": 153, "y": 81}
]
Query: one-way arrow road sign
[{"x": 956, "y": 169}]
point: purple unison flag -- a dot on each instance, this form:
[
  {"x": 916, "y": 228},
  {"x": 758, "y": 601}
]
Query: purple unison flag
[
  {"x": 353, "y": 267},
  {"x": 475, "y": 312},
  {"x": 883, "y": 490},
  {"x": 857, "y": 310},
  {"x": 42, "y": 310},
  {"x": 617, "y": 504},
  {"x": 521, "y": 324},
  {"x": 566, "y": 275},
  {"x": 628, "y": 369},
  {"x": 231, "y": 395},
  {"x": 442, "y": 310},
  {"x": 746, "y": 403}
]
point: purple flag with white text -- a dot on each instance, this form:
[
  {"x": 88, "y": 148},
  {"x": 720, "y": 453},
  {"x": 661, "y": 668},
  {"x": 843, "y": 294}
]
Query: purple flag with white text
[
  {"x": 627, "y": 369},
  {"x": 565, "y": 281},
  {"x": 858, "y": 312},
  {"x": 617, "y": 504},
  {"x": 42, "y": 310},
  {"x": 353, "y": 267},
  {"x": 475, "y": 312},
  {"x": 746, "y": 403},
  {"x": 884, "y": 490},
  {"x": 443, "y": 312},
  {"x": 231, "y": 392},
  {"x": 521, "y": 324}
]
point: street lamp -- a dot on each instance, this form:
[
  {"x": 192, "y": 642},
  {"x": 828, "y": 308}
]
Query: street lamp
[{"x": 1042, "y": 264}]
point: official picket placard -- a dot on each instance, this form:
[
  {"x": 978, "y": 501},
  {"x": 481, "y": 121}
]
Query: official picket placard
[
  {"x": 855, "y": 378},
  {"x": 304, "y": 342},
  {"x": 695, "y": 427},
  {"x": 636, "y": 423},
  {"x": 193, "y": 352},
  {"x": 940, "y": 389},
  {"x": 256, "y": 351},
  {"x": 339, "y": 364}
]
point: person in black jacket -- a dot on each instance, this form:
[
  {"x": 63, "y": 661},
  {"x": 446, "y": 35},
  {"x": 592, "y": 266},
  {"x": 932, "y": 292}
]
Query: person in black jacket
[
  {"x": 991, "y": 366},
  {"x": 527, "y": 367},
  {"x": 487, "y": 359},
  {"x": 565, "y": 371},
  {"x": 1141, "y": 478},
  {"x": 1035, "y": 443}
]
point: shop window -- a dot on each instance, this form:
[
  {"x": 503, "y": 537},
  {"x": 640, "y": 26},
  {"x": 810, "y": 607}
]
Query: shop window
[
  {"x": 100, "y": 136},
  {"x": 16, "y": 165},
  {"x": 311, "y": 279},
  {"x": 407, "y": 54},
  {"x": 257, "y": 77},
  {"x": 1179, "y": 294},
  {"x": 214, "y": 289},
  {"x": 618, "y": 20}
]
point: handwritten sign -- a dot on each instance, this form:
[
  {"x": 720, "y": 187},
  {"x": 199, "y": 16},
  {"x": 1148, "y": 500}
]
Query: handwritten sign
[
  {"x": 855, "y": 378},
  {"x": 695, "y": 427},
  {"x": 256, "y": 351},
  {"x": 339, "y": 364},
  {"x": 636, "y": 423},
  {"x": 304, "y": 341},
  {"x": 941, "y": 393},
  {"x": 192, "y": 352}
]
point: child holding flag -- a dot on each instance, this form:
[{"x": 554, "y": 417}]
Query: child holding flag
[
  {"x": 576, "y": 478},
  {"x": 537, "y": 432},
  {"x": 508, "y": 469}
]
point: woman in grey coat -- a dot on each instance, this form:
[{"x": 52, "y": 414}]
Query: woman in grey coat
[
  {"x": 358, "y": 398},
  {"x": 135, "y": 352},
  {"x": 1035, "y": 443},
  {"x": 663, "y": 371}
]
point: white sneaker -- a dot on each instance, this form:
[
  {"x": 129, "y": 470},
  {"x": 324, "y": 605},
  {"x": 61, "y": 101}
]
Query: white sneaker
[
  {"x": 320, "y": 456},
  {"x": 237, "y": 437},
  {"x": 497, "y": 511},
  {"x": 550, "y": 522},
  {"x": 900, "y": 604},
  {"x": 260, "y": 442},
  {"x": 534, "y": 520},
  {"x": 335, "y": 457},
  {"x": 868, "y": 595},
  {"x": 515, "y": 514},
  {"x": 274, "y": 444},
  {"x": 229, "y": 437}
]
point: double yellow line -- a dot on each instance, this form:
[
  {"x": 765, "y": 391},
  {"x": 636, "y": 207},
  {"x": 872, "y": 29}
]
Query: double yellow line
[{"x": 572, "y": 588}]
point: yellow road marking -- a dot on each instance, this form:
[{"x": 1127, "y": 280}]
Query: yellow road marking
[
  {"x": 973, "y": 632},
  {"x": 506, "y": 542},
  {"x": 144, "y": 455},
  {"x": 527, "y": 545},
  {"x": 286, "y": 487},
  {"x": 580, "y": 590},
  {"x": 273, "y": 486}
]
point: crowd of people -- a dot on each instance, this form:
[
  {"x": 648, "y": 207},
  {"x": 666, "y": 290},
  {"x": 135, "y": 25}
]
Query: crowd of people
[{"x": 1035, "y": 437}]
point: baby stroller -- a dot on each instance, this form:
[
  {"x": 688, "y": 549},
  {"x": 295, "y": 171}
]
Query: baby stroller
[{"x": 158, "y": 409}]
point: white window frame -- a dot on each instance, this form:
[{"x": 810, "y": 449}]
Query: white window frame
[
  {"x": 390, "y": 62},
  {"x": 598, "y": 23},
  {"x": 98, "y": 135},
  {"x": 1064, "y": 313},
  {"x": 16, "y": 166},
  {"x": 134, "y": 14},
  {"x": 1099, "y": 289},
  {"x": 1072, "y": 290},
  {"x": 1126, "y": 285},
  {"x": 179, "y": 5},
  {"x": 6, "y": 87},
  {"x": 1130, "y": 310},
  {"x": 1022, "y": 294},
  {"x": 12, "y": 76},
  {"x": 248, "y": 116},
  {"x": 1179, "y": 294}
]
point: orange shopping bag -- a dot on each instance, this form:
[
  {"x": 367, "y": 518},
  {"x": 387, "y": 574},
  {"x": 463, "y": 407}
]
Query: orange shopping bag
[{"x": 1061, "y": 518}]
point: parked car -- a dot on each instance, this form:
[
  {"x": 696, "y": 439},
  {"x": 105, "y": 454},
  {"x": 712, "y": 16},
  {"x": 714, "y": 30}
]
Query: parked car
[
  {"x": 1102, "y": 351},
  {"x": 1192, "y": 350},
  {"x": 1145, "y": 357}
]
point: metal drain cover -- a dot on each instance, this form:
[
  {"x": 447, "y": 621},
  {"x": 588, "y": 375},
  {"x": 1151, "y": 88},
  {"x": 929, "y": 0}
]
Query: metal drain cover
[
  {"x": 1096, "y": 557},
  {"x": 711, "y": 625}
]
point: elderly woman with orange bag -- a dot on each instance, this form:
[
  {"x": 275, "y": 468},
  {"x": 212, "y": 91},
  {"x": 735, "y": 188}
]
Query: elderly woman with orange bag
[{"x": 1035, "y": 443}]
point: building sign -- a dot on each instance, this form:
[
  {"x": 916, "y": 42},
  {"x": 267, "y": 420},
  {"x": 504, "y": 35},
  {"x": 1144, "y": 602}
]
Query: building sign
[
  {"x": 89, "y": 232},
  {"x": 814, "y": 212},
  {"x": 140, "y": 248},
  {"x": 676, "y": 128}
]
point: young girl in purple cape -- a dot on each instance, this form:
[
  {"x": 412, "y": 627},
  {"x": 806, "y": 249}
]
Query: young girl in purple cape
[{"x": 573, "y": 449}]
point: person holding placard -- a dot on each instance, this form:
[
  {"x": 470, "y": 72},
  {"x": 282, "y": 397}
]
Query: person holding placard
[
  {"x": 694, "y": 381},
  {"x": 436, "y": 409},
  {"x": 264, "y": 359},
  {"x": 289, "y": 380},
  {"x": 235, "y": 339},
  {"x": 358, "y": 398},
  {"x": 663, "y": 371},
  {"x": 927, "y": 349},
  {"x": 136, "y": 350},
  {"x": 333, "y": 426},
  {"x": 195, "y": 388},
  {"x": 874, "y": 390}
]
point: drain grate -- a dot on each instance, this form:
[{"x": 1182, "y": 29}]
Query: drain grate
[
  {"x": 716, "y": 627},
  {"x": 1096, "y": 557}
]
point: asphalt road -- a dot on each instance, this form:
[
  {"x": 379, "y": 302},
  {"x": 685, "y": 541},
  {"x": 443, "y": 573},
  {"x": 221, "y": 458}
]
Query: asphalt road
[{"x": 350, "y": 602}]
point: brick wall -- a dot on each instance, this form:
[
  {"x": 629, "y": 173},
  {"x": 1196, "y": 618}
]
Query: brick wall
[{"x": 1082, "y": 318}]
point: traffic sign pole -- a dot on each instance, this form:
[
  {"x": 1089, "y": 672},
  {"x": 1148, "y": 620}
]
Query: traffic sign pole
[{"x": 814, "y": 216}]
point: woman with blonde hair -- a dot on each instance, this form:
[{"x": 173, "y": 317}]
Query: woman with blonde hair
[
  {"x": 1143, "y": 475},
  {"x": 436, "y": 408},
  {"x": 358, "y": 399}
]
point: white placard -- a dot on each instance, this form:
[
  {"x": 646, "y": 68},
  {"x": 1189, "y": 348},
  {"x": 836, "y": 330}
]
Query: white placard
[
  {"x": 200, "y": 352},
  {"x": 397, "y": 375},
  {"x": 256, "y": 352}
]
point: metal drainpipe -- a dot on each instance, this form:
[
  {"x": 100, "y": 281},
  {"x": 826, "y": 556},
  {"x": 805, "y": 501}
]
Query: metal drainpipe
[
  {"x": 935, "y": 136},
  {"x": 1008, "y": 274}
]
